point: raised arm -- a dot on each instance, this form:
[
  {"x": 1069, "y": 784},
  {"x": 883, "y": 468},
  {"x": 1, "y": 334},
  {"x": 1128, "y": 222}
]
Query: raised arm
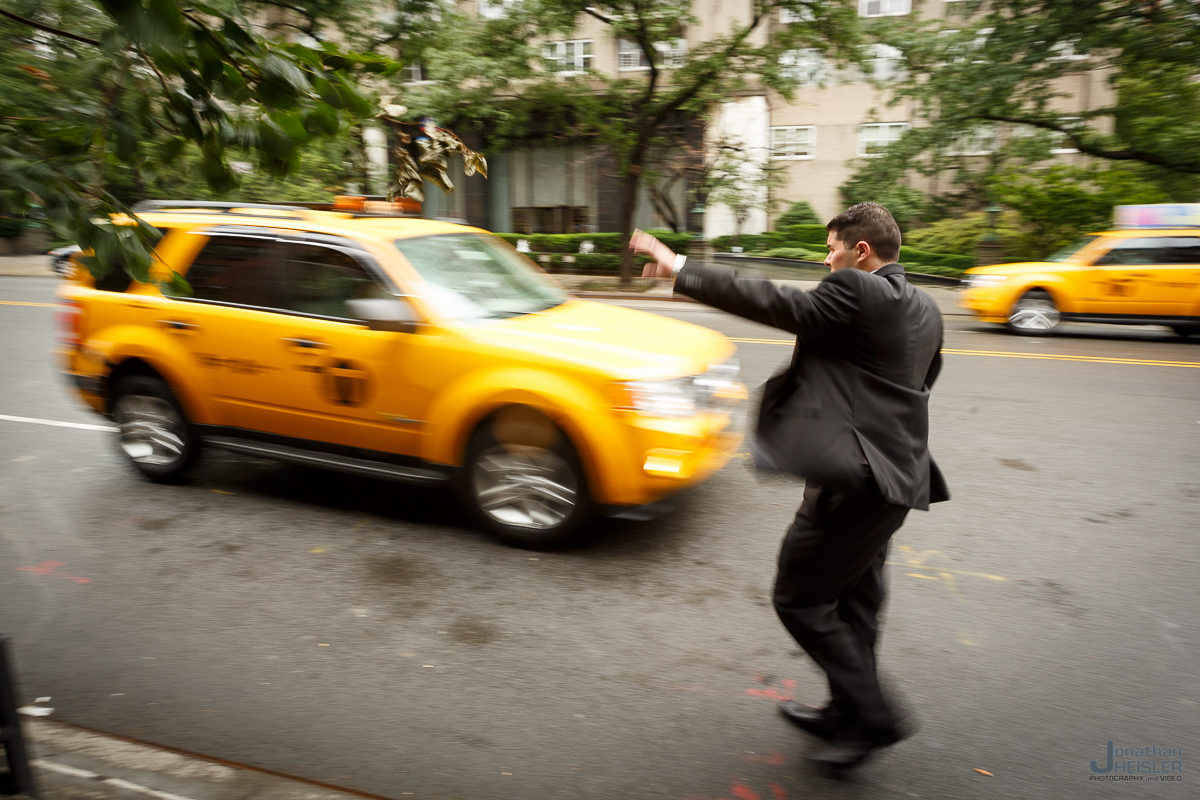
[{"x": 811, "y": 315}]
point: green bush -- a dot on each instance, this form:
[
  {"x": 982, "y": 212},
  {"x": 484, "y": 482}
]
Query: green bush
[
  {"x": 800, "y": 213},
  {"x": 10, "y": 227},
  {"x": 808, "y": 234},
  {"x": 911, "y": 257},
  {"x": 962, "y": 235},
  {"x": 793, "y": 252},
  {"x": 603, "y": 242}
]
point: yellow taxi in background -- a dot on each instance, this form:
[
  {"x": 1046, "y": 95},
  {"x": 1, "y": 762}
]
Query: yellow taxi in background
[
  {"x": 404, "y": 349},
  {"x": 1139, "y": 276}
]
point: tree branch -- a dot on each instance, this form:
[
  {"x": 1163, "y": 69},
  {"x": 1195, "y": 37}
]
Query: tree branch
[
  {"x": 1098, "y": 152},
  {"x": 48, "y": 29},
  {"x": 591, "y": 11}
]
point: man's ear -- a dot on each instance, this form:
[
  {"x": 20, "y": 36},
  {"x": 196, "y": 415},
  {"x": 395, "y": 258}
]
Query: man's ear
[{"x": 864, "y": 251}]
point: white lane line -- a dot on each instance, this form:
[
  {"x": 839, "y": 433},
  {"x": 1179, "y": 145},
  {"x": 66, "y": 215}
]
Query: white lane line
[
  {"x": 63, "y": 769},
  {"x": 58, "y": 424}
]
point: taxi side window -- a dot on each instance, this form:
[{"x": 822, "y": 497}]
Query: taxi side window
[
  {"x": 1137, "y": 252},
  {"x": 1184, "y": 250},
  {"x": 236, "y": 270},
  {"x": 319, "y": 280}
]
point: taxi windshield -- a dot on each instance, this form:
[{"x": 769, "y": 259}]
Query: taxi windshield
[
  {"x": 469, "y": 276},
  {"x": 1073, "y": 248}
]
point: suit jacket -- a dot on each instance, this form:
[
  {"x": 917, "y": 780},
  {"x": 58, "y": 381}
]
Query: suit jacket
[{"x": 856, "y": 394}]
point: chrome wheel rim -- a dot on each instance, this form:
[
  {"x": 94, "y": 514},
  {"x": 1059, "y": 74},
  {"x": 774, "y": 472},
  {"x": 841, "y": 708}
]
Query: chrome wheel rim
[
  {"x": 1035, "y": 314},
  {"x": 150, "y": 430},
  {"x": 523, "y": 486}
]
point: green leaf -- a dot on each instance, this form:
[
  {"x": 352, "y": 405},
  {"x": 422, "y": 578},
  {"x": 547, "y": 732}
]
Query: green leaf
[
  {"x": 177, "y": 286},
  {"x": 323, "y": 119}
]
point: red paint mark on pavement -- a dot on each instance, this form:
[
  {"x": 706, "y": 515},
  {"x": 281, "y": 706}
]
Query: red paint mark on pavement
[
  {"x": 772, "y": 758},
  {"x": 778, "y": 791},
  {"x": 743, "y": 792},
  {"x": 770, "y": 694},
  {"x": 51, "y": 568}
]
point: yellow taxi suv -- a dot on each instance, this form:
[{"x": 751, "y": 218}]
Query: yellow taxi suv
[
  {"x": 1143, "y": 275},
  {"x": 403, "y": 349}
]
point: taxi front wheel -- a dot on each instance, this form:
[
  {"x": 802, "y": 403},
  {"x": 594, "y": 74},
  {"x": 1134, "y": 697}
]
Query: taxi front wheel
[
  {"x": 152, "y": 431},
  {"x": 525, "y": 482},
  {"x": 1034, "y": 314}
]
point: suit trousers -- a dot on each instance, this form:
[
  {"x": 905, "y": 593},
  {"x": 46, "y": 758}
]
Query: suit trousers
[{"x": 828, "y": 593}]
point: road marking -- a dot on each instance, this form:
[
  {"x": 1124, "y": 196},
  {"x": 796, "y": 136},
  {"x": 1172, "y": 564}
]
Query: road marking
[
  {"x": 63, "y": 769},
  {"x": 19, "y": 303},
  {"x": 1144, "y": 362},
  {"x": 58, "y": 424}
]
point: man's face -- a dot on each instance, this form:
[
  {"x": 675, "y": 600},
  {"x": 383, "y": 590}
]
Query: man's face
[{"x": 840, "y": 256}]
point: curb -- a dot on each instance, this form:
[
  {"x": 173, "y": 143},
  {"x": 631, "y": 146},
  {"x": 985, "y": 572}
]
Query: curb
[{"x": 53, "y": 772}]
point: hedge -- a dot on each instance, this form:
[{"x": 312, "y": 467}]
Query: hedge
[
  {"x": 805, "y": 242},
  {"x": 11, "y": 226},
  {"x": 602, "y": 242}
]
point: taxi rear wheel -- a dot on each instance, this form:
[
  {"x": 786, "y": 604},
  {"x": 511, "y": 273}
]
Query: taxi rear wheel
[
  {"x": 529, "y": 490},
  {"x": 1186, "y": 330},
  {"x": 152, "y": 431},
  {"x": 1034, "y": 314}
]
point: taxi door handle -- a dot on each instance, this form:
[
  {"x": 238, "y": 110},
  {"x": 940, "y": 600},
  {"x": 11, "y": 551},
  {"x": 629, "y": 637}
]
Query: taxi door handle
[
  {"x": 1139, "y": 274},
  {"x": 305, "y": 345},
  {"x": 179, "y": 326}
]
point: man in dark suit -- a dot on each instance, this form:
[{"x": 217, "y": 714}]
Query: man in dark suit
[{"x": 850, "y": 415}]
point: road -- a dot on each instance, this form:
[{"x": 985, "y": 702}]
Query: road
[{"x": 362, "y": 634}]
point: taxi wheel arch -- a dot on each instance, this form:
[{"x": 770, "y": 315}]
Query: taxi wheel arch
[
  {"x": 154, "y": 434},
  {"x": 1034, "y": 313},
  {"x": 528, "y": 489}
]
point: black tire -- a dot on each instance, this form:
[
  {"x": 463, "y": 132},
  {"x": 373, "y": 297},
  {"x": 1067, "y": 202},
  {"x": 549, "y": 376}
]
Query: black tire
[
  {"x": 154, "y": 434},
  {"x": 1186, "y": 330},
  {"x": 1034, "y": 314},
  {"x": 529, "y": 490}
]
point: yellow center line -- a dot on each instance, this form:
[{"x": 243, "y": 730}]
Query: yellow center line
[
  {"x": 19, "y": 303},
  {"x": 1144, "y": 362}
]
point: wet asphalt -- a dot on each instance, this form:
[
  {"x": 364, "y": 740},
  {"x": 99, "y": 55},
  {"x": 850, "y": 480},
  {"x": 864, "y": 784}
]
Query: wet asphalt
[{"x": 361, "y": 633}]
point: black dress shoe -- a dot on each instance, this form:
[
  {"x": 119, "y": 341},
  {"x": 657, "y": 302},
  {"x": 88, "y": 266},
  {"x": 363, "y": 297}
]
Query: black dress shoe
[
  {"x": 841, "y": 755},
  {"x": 813, "y": 720}
]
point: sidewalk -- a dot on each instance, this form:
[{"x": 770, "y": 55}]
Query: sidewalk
[
  {"x": 27, "y": 265},
  {"x": 70, "y": 763}
]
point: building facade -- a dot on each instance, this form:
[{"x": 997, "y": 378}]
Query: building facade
[{"x": 835, "y": 122}]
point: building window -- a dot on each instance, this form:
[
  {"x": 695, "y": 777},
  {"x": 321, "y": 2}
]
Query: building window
[
  {"x": 568, "y": 57},
  {"x": 979, "y": 141},
  {"x": 794, "y": 142},
  {"x": 412, "y": 73},
  {"x": 1059, "y": 144},
  {"x": 788, "y": 16},
  {"x": 806, "y": 67},
  {"x": 630, "y": 56},
  {"x": 1065, "y": 51},
  {"x": 885, "y": 63},
  {"x": 883, "y": 8},
  {"x": 874, "y": 138}
]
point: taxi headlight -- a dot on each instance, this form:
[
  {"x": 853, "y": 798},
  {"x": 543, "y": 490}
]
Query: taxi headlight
[
  {"x": 716, "y": 390},
  {"x": 670, "y": 398},
  {"x": 975, "y": 281}
]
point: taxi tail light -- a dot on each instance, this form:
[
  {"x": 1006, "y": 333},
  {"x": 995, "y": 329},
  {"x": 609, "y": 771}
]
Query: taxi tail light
[{"x": 69, "y": 316}]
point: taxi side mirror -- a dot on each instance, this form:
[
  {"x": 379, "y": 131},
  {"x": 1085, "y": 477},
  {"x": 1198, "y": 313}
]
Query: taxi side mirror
[{"x": 385, "y": 314}]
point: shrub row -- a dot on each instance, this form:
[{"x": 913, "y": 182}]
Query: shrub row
[
  {"x": 602, "y": 242},
  {"x": 790, "y": 236}
]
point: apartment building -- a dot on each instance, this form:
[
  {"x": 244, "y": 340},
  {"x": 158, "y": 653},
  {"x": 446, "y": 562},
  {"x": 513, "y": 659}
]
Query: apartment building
[{"x": 836, "y": 120}]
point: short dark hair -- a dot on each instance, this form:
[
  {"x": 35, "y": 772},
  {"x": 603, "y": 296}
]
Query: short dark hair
[{"x": 870, "y": 223}]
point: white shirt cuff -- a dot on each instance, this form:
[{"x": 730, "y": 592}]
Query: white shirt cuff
[{"x": 680, "y": 260}]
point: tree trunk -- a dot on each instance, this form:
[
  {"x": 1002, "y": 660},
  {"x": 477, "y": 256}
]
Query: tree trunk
[{"x": 629, "y": 187}]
